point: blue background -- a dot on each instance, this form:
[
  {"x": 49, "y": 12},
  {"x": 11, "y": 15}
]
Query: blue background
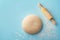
[{"x": 12, "y": 13}]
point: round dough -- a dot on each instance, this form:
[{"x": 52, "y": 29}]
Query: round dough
[{"x": 32, "y": 24}]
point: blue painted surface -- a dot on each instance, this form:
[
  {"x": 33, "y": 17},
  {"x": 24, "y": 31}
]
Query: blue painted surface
[{"x": 12, "y": 13}]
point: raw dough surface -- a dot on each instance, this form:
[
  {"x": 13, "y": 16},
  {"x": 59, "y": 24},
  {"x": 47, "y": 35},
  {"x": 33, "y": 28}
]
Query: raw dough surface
[{"x": 32, "y": 24}]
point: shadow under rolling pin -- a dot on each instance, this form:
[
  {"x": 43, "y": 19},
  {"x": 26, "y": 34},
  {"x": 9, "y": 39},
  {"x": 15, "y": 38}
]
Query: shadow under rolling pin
[{"x": 47, "y": 13}]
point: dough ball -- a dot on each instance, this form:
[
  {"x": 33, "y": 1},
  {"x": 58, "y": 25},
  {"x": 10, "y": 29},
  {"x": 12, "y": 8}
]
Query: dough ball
[{"x": 32, "y": 24}]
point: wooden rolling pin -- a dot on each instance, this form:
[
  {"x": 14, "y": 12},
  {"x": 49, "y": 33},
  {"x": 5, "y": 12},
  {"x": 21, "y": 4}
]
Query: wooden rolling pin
[{"x": 47, "y": 13}]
